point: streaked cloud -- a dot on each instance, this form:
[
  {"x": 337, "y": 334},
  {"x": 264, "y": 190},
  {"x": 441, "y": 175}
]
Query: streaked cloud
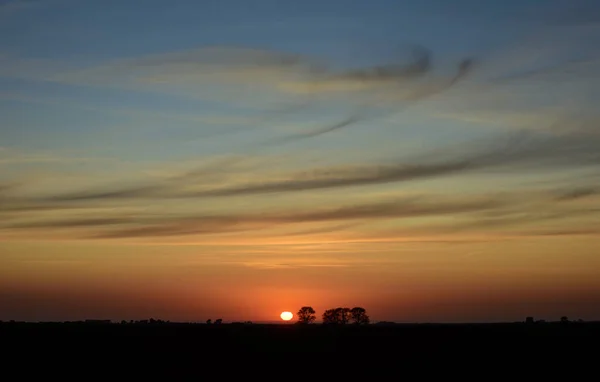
[
  {"x": 288, "y": 83},
  {"x": 515, "y": 153},
  {"x": 476, "y": 213},
  {"x": 212, "y": 198},
  {"x": 10, "y": 156}
]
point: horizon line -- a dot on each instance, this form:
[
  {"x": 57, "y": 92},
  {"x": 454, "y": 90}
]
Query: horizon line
[{"x": 249, "y": 322}]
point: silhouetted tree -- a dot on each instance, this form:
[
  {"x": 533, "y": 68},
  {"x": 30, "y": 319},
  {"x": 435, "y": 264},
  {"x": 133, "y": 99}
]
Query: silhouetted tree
[
  {"x": 359, "y": 316},
  {"x": 564, "y": 319},
  {"x": 306, "y": 315},
  {"x": 343, "y": 315},
  {"x": 330, "y": 317},
  {"x": 209, "y": 321},
  {"x": 337, "y": 316},
  {"x": 219, "y": 321}
]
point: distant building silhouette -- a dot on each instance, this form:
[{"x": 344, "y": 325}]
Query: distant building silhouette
[
  {"x": 529, "y": 320},
  {"x": 385, "y": 323}
]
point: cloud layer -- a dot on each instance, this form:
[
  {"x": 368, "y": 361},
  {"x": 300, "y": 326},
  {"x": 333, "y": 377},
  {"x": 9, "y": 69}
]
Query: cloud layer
[
  {"x": 516, "y": 153},
  {"x": 219, "y": 198}
]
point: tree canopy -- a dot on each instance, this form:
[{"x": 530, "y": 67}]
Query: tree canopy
[{"x": 306, "y": 315}]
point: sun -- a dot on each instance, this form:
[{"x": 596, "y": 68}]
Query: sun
[{"x": 286, "y": 316}]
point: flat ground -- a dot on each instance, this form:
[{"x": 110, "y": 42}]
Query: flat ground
[{"x": 266, "y": 349}]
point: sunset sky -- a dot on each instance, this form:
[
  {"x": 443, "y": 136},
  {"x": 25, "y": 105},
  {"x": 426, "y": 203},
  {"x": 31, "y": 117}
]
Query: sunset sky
[{"x": 428, "y": 160}]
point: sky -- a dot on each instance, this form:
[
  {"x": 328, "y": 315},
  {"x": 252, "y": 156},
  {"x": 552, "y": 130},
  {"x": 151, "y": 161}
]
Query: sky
[{"x": 430, "y": 161}]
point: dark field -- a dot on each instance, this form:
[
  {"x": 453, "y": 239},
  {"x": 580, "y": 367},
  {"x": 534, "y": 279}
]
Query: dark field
[{"x": 227, "y": 349}]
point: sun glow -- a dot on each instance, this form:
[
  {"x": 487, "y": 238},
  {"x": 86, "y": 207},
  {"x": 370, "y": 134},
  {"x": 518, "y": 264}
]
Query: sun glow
[{"x": 286, "y": 316}]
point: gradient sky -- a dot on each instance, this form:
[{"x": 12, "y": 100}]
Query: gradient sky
[{"x": 431, "y": 161}]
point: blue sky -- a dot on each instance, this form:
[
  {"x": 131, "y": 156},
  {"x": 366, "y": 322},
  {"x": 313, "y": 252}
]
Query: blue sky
[
  {"x": 48, "y": 107},
  {"x": 45, "y": 40},
  {"x": 87, "y": 27}
]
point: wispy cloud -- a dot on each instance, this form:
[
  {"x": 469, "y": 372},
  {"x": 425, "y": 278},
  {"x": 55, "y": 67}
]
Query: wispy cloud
[
  {"x": 10, "y": 156},
  {"x": 513, "y": 154},
  {"x": 290, "y": 82},
  {"x": 578, "y": 193},
  {"x": 6, "y": 187},
  {"x": 390, "y": 209},
  {"x": 560, "y": 140},
  {"x": 474, "y": 213},
  {"x": 100, "y": 214}
]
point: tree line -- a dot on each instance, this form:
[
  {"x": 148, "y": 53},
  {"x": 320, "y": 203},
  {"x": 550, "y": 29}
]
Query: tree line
[{"x": 356, "y": 315}]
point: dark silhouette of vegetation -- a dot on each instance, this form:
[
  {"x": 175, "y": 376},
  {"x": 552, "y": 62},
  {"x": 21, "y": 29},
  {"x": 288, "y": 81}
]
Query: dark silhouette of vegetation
[
  {"x": 344, "y": 315},
  {"x": 380, "y": 345},
  {"x": 382, "y": 323},
  {"x": 337, "y": 316},
  {"x": 209, "y": 321},
  {"x": 306, "y": 315},
  {"x": 330, "y": 317},
  {"x": 359, "y": 316},
  {"x": 150, "y": 321},
  {"x": 218, "y": 321}
]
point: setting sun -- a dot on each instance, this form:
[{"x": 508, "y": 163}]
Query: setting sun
[{"x": 286, "y": 316}]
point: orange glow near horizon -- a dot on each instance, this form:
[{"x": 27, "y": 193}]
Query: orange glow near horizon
[{"x": 504, "y": 280}]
